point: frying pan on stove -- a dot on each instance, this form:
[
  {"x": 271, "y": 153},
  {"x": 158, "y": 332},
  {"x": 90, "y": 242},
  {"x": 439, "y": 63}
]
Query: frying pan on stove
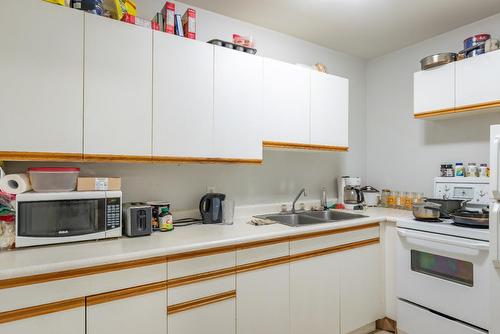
[{"x": 472, "y": 218}]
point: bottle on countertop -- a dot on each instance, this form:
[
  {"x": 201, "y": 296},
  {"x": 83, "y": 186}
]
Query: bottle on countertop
[
  {"x": 166, "y": 220},
  {"x": 483, "y": 170},
  {"x": 459, "y": 169},
  {"x": 472, "y": 170}
]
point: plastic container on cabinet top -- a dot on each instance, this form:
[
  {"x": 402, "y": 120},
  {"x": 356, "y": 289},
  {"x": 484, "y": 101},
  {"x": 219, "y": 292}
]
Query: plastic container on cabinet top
[{"x": 53, "y": 179}]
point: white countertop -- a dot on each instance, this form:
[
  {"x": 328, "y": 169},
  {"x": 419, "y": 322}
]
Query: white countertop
[{"x": 39, "y": 260}]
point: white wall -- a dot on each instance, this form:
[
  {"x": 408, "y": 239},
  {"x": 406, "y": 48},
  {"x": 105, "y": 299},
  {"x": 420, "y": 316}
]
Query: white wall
[
  {"x": 403, "y": 153},
  {"x": 283, "y": 173}
]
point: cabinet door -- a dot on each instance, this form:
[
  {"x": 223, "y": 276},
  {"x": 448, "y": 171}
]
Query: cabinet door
[
  {"x": 361, "y": 287},
  {"x": 478, "y": 80},
  {"x": 63, "y": 322},
  {"x": 214, "y": 318},
  {"x": 434, "y": 89},
  {"x": 286, "y": 115},
  {"x": 263, "y": 301},
  {"x": 237, "y": 105},
  {"x": 329, "y": 110},
  {"x": 41, "y": 80},
  {"x": 118, "y": 88},
  {"x": 183, "y": 85},
  {"x": 145, "y": 314},
  {"x": 314, "y": 295}
]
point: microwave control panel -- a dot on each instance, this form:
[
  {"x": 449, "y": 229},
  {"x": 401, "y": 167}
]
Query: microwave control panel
[{"x": 113, "y": 213}]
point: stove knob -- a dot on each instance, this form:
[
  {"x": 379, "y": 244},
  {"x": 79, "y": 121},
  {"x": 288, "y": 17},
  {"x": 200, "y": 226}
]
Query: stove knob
[{"x": 482, "y": 193}]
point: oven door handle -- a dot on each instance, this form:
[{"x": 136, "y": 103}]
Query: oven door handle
[{"x": 477, "y": 245}]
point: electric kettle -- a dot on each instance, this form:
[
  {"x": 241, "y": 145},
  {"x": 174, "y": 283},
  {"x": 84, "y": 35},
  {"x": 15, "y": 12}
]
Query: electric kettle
[{"x": 211, "y": 208}]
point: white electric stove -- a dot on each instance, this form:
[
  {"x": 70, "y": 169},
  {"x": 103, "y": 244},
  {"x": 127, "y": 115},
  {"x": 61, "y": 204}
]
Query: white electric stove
[{"x": 442, "y": 278}]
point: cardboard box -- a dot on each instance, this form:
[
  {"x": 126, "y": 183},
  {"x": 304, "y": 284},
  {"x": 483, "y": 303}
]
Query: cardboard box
[
  {"x": 168, "y": 12},
  {"x": 189, "y": 23},
  {"x": 99, "y": 183}
]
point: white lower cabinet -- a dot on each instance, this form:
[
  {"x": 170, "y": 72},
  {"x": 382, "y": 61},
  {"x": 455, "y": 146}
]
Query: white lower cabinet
[
  {"x": 315, "y": 295},
  {"x": 214, "y": 318},
  {"x": 145, "y": 314},
  {"x": 263, "y": 300},
  {"x": 361, "y": 287},
  {"x": 63, "y": 322}
]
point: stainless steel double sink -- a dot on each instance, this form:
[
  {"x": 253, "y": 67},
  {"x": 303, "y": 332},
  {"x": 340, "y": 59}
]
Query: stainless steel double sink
[{"x": 310, "y": 217}]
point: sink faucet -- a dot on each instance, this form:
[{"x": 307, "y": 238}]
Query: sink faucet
[{"x": 302, "y": 191}]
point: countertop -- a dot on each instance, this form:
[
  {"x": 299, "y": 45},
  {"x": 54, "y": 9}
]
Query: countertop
[{"x": 46, "y": 259}]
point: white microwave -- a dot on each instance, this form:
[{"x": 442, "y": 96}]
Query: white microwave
[{"x": 53, "y": 218}]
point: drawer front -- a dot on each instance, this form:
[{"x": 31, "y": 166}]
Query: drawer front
[
  {"x": 201, "y": 264},
  {"x": 185, "y": 293},
  {"x": 54, "y": 291},
  {"x": 262, "y": 253},
  {"x": 413, "y": 319},
  {"x": 333, "y": 240}
]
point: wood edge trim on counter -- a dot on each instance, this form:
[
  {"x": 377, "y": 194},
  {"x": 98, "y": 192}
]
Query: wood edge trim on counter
[
  {"x": 72, "y": 273},
  {"x": 262, "y": 264},
  {"x": 35, "y": 311},
  {"x": 181, "y": 307},
  {"x": 116, "y": 158},
  {"x": 262, "y": 243},
  {"x": 125, "y": 293},
  {"x": 185, "y": 280},
  {"x": 334, "y": 249},
  {"x": 194, "y": 160},
  {"x": 40, "y": 156},
  {"x": 330, "y": 232},
  {"x": 297, "y": 146},
  {"x": 457, "y": 110}
]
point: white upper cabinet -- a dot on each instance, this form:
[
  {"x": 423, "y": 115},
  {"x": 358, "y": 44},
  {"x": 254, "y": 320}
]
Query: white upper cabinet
[
  {"x": 286, "y": 115},
  {"x": 237, "y": 105},
  {"x": 41, "y": 77},
  {"x": 434, "y": 89},
  {"x": 183, "y": 85},
  {"x": 478, "y": 81},
  {"x": 329, "y": 110},
  {"x": 118, "y": 88}
]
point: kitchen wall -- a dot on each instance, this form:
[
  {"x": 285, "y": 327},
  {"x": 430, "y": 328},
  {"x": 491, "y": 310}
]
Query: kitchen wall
[
  {"x": 404, "y": 153},
  {"x": 283, "y": 173}
]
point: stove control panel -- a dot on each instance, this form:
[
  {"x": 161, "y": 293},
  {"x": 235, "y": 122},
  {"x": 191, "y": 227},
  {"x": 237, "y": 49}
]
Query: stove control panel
[{"x": 475, "y": 190}]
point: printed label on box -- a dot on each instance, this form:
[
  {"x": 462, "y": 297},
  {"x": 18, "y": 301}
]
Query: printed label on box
[{"x": 101, "y": 183}]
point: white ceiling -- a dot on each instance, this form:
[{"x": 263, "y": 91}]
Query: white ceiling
[{"x": 366, "y": 28}]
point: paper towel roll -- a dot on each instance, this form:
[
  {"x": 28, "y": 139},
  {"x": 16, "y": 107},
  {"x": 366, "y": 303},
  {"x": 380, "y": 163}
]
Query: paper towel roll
[{"x": 15, "y": 183}]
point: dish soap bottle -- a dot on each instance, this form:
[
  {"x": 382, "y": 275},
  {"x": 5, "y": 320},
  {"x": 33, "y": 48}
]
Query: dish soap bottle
[{"x": 166, "y": 220}]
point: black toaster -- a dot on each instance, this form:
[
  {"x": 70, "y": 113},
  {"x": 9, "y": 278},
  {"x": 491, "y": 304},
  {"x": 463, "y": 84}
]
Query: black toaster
[{"x": 137, "y": 219}]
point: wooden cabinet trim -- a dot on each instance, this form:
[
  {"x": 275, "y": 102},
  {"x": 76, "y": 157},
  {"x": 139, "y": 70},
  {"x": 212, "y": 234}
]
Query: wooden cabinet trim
[
  {"x": 334, "y": 249},
  {"x": 125, "y": 293},
  {"x": 458, "y": 110},
  {"x": 336, "y": 231},
  {"x": 194, "y": 160},
  {"x": 73, "y": 273},
  {"x": 201, "y": 252},
  {"x": 117, "y": 158},
  {"x": 40, "y": 156},
  {"x": 262, "y": 264},
  {"x": 297, "y": 146},
  {"x": 181, "y": 307},
  {"x": 35, "y": 311},
  {"x": 175, "y": 282}
]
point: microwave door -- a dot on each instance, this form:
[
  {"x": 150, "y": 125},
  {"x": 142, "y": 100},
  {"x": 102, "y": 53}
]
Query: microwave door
[{"x": 61, "y": 218}]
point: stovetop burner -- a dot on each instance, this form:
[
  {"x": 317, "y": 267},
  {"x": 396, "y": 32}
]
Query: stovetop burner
[{"x": 429, "y": 220}]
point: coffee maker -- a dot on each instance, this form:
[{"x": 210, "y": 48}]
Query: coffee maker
[{"x": 349, "y": 192}]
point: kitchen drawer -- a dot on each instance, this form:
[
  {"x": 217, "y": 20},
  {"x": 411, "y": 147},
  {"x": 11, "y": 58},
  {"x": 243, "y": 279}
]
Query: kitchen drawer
[
  {"x": 201, "y": 264},
  {"x": 413, "y": 319},
  {"x": 333, "y": 240},
  {"x": 58, "y": 290},
  {"x": 193, "y": 291},
  {"x": 262, "y": 253}
]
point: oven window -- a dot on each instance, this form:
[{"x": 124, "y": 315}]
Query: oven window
[
  {"x": 61, "y": 218},
  {"x": 454, "y": 270}
]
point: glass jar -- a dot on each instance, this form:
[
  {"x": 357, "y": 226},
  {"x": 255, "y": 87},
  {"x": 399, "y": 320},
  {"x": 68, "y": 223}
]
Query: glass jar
[
  {"x": 459, "y": 169},
  {"x": 401, "y": 200},
  {"x": 391, "y": 200},
  {"x": 384, "y": 197},
  {"x": 483, "y": 170},
  {"x": 408, "y": 201},
  {"x": 472, "y": 170},
  {"x": 417, "y": 198}
]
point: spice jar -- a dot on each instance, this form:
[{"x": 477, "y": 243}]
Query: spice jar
[
  {"x": 408, "y": 201},
  {"x": 418, "y": 198},
  {"x": 472, "y": 170},
  {"x": 401, "y": 201},
  {"x": 391, "y": 200},
  {"x": 384, "y": 198},
  {"x": 459, "y": 169},
  {"x": 483, "y": 170}
]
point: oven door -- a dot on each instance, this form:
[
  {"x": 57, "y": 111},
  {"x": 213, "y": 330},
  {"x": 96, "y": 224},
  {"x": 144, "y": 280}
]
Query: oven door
[
  {"x": 42, "y": 222},
  {"x": 445, "y": 274}
]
